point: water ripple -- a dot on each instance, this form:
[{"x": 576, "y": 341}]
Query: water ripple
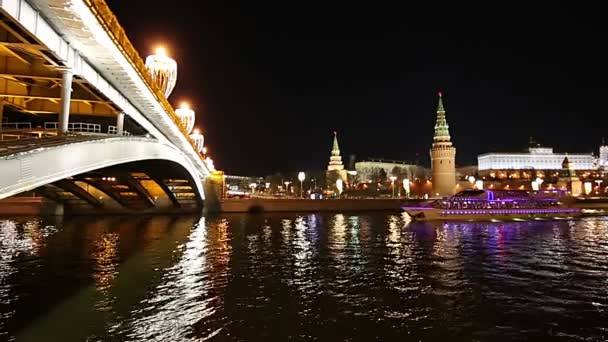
[{"x": 313, "y": 277}]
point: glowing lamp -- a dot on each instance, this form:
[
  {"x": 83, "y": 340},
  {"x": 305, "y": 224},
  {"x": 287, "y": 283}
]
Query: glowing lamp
[
  {"x": 406, "y": 186},
  {"x": 186, "y": 117},
  {"x": 535, "y": 185},
  {"x": 163, "y": 70},
  {"x": 587, "y": 186},
  {"x": 340, "y": 186},
  {"x": 198, "y": 140},
  {"x": 479, "y": 184},
  {"x": 209, "y": 163}
]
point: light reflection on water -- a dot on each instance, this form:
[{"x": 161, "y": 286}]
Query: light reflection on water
[{"x": 346, "y": 276}]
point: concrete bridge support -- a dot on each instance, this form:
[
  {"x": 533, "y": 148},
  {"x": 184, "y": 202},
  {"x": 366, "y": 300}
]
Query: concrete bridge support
[{"x": 213, "y": 186}]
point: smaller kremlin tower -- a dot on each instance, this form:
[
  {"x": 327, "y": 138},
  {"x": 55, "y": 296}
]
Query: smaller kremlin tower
[
  {"x": 335, "y": 169},
  {"x": 443, "y": 156},
  {"x": 569, "y": 180}
]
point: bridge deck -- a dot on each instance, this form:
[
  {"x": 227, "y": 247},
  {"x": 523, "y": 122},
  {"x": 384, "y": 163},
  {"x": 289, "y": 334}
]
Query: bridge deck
[{"x": 10, "y": 147}]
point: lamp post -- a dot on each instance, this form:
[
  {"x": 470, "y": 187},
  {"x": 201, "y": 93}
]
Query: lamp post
[
  {"x": 301, "y": 177},
  {"x": 339, "y": 186},
  {"x": 406, "y": 186},
  {"x": 393, "y": 179}
]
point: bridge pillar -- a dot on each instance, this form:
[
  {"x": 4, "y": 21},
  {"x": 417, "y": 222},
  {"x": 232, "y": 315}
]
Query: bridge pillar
[
  {"x": 66, "y": 96},
  {"x": 213, "y": 186},
  {"x": 1, "y": 115},
  {"x": 120, "y": 123}
]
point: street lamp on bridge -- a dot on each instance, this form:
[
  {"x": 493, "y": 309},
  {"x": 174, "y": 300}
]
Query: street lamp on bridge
[
  {"x": 186, "y": 117},
  {"x": 198, "y": 140},
  {"x": 163, "y": 70}
]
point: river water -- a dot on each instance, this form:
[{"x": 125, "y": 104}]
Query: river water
[{"x": 301, "y": 277}]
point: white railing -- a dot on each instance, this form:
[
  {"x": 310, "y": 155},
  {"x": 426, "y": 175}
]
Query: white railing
[
  {"x": 114, "y": 130},
  {"x": 16, "y": 125},
  {"x": 76, "y": 127}
]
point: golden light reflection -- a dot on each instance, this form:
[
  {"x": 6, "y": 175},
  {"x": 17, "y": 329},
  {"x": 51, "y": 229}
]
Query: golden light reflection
[
  {"x": 178, "y": 306},
  {"x": 286, "y": 229},
  {"x": 106, "y": 267},
  {"x": 336, "y": 239},
  {"x": 302, "y": 247}
]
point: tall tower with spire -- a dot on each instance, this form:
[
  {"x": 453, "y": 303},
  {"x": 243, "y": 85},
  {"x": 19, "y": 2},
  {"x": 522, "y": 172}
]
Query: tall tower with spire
[
  {"x": 443, "y": 156},
  {"x": 335, "y": 169}
]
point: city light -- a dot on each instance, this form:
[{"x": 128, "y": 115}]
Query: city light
[
  {"x": 588, "y": 188},
  {"x": 163, "y": 70},
  {"x": 301, "y": 177},
  {"x": 535, "y": 185},
  {"x": 479, "y": 184},
  {"x": 406, "y": 186},
  {"x": 340, "y": 186},
  {"x": 393, "y": 179}
]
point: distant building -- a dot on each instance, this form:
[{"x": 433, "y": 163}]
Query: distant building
[
  {"x": 603, "y": 159},
  {"x": 538, "y": 158},
  {"x": 443, "y": 156}
]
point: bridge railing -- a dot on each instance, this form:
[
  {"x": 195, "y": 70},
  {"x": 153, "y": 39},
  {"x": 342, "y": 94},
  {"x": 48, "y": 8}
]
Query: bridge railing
[
  {"x": 108, "y": 20},
  {"x": 114, "y": 130},
  {"x": 76, "y": 127},
  {"x": 15, "y": 125}
]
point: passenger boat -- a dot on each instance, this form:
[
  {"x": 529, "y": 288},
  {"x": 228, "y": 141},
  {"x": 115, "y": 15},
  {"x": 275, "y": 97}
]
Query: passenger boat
[{"x": 493, "y": 205}]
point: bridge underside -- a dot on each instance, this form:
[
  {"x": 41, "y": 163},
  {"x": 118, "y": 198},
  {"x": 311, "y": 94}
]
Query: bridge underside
[
  {"x": 137, "y": 187},
  {"x": 30, "y": 78}
]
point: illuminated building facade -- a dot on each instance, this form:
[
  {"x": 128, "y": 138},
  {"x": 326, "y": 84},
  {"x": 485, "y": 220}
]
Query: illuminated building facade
[
  {"x": 536, "y": 158},
  {"x": 372, "y": 170}
]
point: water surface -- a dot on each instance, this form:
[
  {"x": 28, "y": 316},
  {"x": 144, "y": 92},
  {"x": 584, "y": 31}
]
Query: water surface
[{"x": 301, "y": 277}]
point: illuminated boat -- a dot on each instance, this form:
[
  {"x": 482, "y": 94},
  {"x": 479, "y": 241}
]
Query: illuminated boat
[{"x": 487, "y": 205}]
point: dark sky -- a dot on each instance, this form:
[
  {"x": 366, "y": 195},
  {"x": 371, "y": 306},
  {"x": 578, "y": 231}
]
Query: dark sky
[{"x": 271, "y": 82}]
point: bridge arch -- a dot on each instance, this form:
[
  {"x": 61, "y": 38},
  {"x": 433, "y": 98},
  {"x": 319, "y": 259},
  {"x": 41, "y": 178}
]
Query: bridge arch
[{"x": 29, "y": 169}]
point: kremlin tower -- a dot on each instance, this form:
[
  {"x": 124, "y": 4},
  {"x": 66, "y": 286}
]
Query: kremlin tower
[
  {"x": 443, "y": 156},
  {"x": 335, "y": 169}
]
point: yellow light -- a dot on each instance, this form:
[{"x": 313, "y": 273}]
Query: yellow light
[
  {"x": 195, "y": 131},
  {"x": 185, "y": 105},
  {"x": 161, "y": 51}
]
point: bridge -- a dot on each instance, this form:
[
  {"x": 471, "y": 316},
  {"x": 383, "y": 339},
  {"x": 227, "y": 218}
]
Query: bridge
[{"x": 83, "y": 120}]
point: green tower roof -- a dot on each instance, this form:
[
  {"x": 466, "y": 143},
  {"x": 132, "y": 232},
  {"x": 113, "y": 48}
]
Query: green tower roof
[{"x": 442, "y": 132}]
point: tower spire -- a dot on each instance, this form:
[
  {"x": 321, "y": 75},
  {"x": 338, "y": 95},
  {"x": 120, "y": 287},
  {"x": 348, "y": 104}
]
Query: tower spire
[
  {"x": 335, "y": 160},
  {"x": 442, "y": 132},
  {"x": 335, "y": 151}
]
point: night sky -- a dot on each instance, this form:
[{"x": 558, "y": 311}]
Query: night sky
[{"x": 271, "y": 82}]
